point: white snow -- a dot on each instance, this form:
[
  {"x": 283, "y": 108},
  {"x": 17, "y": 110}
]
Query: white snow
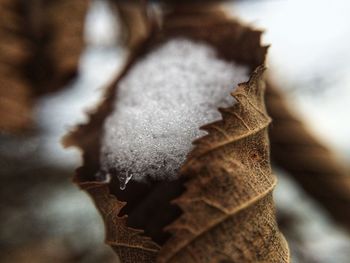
[{"x": 160, "y": 105}]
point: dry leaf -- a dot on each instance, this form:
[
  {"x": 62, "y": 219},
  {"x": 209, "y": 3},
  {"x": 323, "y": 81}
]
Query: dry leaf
[
  {"x": 314, "y": 166},
  {"x": 225, "y": 188},
  {"x": 40, "y": 46},
  {"x": 229, "y": 214},
  {"x": 14, "y": 95},
  {"x": 66, "y": 18},
  {"x": 135, "y": 19}
]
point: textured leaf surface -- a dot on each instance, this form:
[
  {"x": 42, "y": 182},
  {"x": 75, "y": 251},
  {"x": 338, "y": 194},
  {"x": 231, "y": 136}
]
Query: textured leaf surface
[
  {"x": 129, "y": 244},
  {"x": 228, "y": 208},
  {"x": 227, "y": 212}
]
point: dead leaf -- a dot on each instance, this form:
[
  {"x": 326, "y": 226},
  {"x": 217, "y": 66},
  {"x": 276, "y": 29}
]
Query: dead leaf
[
  {"x": 228, "y": 211},
  {"x": 41, "y": 42},
  {"x": 135, "y": 19},
  {"x": 225, "y": 188},
  {"x": 14, "y": 94},
  {"x": 311, "y": 163}
]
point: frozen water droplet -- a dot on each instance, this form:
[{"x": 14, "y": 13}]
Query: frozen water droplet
[{"x": 124, "y": 179}]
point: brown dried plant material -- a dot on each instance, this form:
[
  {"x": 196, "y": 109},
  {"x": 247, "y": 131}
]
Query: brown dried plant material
[
  {"x": 135, "y": 19},
  {"x": 53, "y": 250},
  {"x": 313, "y": 165},
  {"x": 228, "y": 211},
  {"x": 40, "y": 46},
  {"x": 14, "y": 93},
  {"x": 67, "y": 20},
  {"x": 225, "y": 187}
]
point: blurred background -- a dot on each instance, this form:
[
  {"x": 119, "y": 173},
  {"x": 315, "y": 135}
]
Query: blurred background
[{"x": 46, "y": 218}]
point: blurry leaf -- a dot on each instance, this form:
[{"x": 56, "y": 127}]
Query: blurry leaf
[
  {"x": 15, "y": 102},
  {"x": 135, "y": 20},
  {"x": 225, "y": 186},
  {"x": 312, "y": 164},
  {"x": 40, "y": 46},
  {"x": 54, "y": 250}
]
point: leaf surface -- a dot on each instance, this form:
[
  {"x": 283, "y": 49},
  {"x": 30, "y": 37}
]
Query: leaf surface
[
  {"x": 224, "y": 190},
  {"x": 229, "y": 215},
  {"x": 128, "y": 243}
]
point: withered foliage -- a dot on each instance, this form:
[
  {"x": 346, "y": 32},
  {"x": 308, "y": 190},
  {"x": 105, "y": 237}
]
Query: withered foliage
[
  {"x": 294, "y": 148},
  {"x": 135, "y": 20},
  {"x": 221, "y": 208},
  {"x": 313, "y": 165},
  {"x": 41, "y": 42},
  {"x": 228, "y": 211}
]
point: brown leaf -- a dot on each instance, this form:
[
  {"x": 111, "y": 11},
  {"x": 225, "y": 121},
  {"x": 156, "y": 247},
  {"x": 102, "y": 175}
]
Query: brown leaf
[
  {"x": 229, "y": 215},
  {"x": 135, "y": 20},
  {"x": 14, "y": 94},
  {"x": 225, "y": 188},
  {"x": 129, "y": 243},
  {"x": 311, "y": 163},
  {"x": 40, "y": 46},
  {"x": 66, "y": 18}
]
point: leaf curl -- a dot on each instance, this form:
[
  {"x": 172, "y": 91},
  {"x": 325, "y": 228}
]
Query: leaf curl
[
  {"x": 228, "y": 208},
  {"x": 225, "y": 188},
  {"x": 128, "y": 243}
]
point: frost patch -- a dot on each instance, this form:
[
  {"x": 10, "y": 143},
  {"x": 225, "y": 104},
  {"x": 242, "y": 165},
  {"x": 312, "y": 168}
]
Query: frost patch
[{"x": 160, "y": 105}]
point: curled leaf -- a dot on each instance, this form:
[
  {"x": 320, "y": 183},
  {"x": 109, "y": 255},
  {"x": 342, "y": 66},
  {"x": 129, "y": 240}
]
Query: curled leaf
[
  {"x": 229, "y": 215},
  {"x": 128, "y": 243},
  {"x": 223, "y": 209}
]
